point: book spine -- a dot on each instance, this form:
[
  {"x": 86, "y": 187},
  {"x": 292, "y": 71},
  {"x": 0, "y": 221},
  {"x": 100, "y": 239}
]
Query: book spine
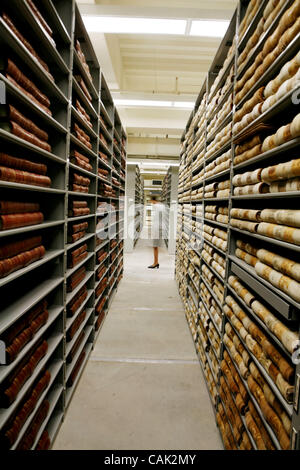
[
  {"x": 28, "y": 46},
  {"x": 27, "y": 84},
  {"x": 27, "y": 124},
  {"x": 75, "y": 306},
  {"x": 24, "y": 177},
  {"x": 20, "y": 220},
  {"x": 28, "y": 440},
  {"x": 28, "y": 94},
  {"x": 76, "y": 369},
  {"x": 28, "y": 136},
  {"x": 20, "y": 261},
  {"x": 21, "y": 164},
  {"x": 79, "y": 204},
  {"x": 12, "y": 207},
  {"x": 14, "y": 248},
  {"x": 76, "y": 347},
  {"x": 80, "y": 189},
  {"x": 76, "y": 325},
  {"x": 44, "y": 442},
  {"x": 79, "y": 227}
]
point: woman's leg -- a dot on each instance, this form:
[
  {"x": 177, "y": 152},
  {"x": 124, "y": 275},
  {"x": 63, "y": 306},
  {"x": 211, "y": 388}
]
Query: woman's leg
[{"x": 155, "y": 249}]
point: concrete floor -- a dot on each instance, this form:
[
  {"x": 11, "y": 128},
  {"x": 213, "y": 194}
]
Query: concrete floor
[{"x": 142, "y": 388}]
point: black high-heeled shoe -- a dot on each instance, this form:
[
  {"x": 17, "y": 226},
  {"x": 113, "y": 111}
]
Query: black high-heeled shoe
[{"x": 153, "y": 267}]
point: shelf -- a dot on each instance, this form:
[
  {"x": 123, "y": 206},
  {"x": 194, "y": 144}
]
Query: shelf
[
  {"x": 69, "y": 246},
  {"x": 282, "y": 303},
  {"x": 9, "y": 137},
  {"x": 251, "y": 28},
  {"x": 84, "y": 99},
  {"x": 70, "y": 320},
  {"x": 56, "y": 20},
  {"x": 270, "y": 154},
  {"x": 70, "y": 344},
  {"x": 71, "y": 295},
  {"x": 14, "y": 42},
  {"x": 29, "y": 228},
  {"x": 12, "y": 90},
  {"x": 82, "y": 170},
  {"x": 84, "y": 74},
  {"x": 88, "y": 348},
  {"x": 50, "y": 255},
  {"x": 71, "y": 271},
  {"x": 54, "y": 370},
  {"x": 25, "y": 12},
  {"x": 214, "y": 222},
  {"x": 273, "y": 241},
  {"x": 88, "y": 129},
  {"x": 53, "y": 343},
  {"x": 77, "y": 142}
]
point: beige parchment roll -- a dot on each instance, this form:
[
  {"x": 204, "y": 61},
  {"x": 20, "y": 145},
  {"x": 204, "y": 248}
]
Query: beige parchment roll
[
  {"x": 281, "y": 232},
  {"x": 250, "y": 177},
  {"x": 244, "y": 225},
  {"x": 280, "y": 263},
  {"x": 285, "y": 186},
  {"x": 249, "y": 259},
  {"x": 241, "y": 290},
  {"x": 282, "y": 282},
  {"x": 258, "y": 188},
  {"x": 290, "y": 217},
  {"x": 247, "y": 214}
]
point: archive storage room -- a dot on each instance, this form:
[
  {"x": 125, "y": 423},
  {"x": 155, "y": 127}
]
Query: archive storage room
[{"x": 149, "y": 225}]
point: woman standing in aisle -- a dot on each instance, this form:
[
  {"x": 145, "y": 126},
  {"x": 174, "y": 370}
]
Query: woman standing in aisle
[{"x": 156, "y": 229}]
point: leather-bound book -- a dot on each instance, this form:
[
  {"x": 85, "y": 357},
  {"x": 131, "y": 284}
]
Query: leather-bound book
[
  {"x": 42, "y": 22},
  {"x": 78, "y": 300},
  {"x": 83, "y": 59},
  {"x": 80, "y": 189},
  {"x": 28, "y": 46},
  {"x": 80, "y": 227},
  {"x": 83, "y": 140},
  {"x": 20, "y": 220},
  {"x": 76, "y": 278},
  {"x": 44, "y": 442},
  {"x": 10, "y": 265},
  {"x": 76, "y": 204},
  {"x": 12, "y": 385},
  {"x": 83, "y": 86},
  {"x": 74, "y": 237},
  {"x": 75, "y": 326},
  {"x": 76, "y": 369},
  {"x": 29, "y": 95},
  {"x": 103, "y": 156},
  {"x": 99, "y": 320},
  {"x": 10, "y": 113},
  {"x": 14, "y": 248},
  {"x": 29, "y": 437},
  {"x": 22, "y": 164},
  {"x": 101, "y": 272},
  {"x": 12, "y": 72},
  {"x": 79, "y": 212},
  {"x": 26, "y": 335},
  {"x": 23, "y": 177},
  {"x": 76, "y": 346},
  {"x": 75, "y": 153},
  {"x": 100, "y": 305},
  {"x": 78, "y": 179},
  {"x": 81, "y": 163},
  {"x": 22, "y": 133},
  {"x": 10, "y": 432},
  {"x": 16, "y": 207}
]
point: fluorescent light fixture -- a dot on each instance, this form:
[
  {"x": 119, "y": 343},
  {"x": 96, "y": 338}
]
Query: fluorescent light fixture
[
  {"x": 183, "y": 104},
  {"x": 155, "y": 103},
  {"x": 209, "y": 28},
  {"x": 114, "y": 24}
]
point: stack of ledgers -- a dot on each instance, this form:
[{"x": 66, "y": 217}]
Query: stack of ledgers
[
  {"x": 258, "y": 144},
  {"x": 80, "y": 160},
  {"x": 218, "y": 165},
  {"x": 217, "y": 190},
  {"x": 227, "y": 61},
  {"x": 287, "y": 29},
  {"x": 217, "y": 213},
  {"x": 83, "y": 59},
  {"x": 221, "y": 139},
  {"x": 84, "y": 115},
  {"x": 214, "y": 259},
  {"x": 219, "y": 96},
  {"x": 283, "y": 177},
  {"x": 283, "y": 273},
  {"x": 213, "y": 282},
  {"x": 220, "y": 116},
  {"x": 18, "y": 254},
  {"x": 215, "y": 236},
  {"x": 282, "y": 224},
  {"x": 15, "y": 214}
]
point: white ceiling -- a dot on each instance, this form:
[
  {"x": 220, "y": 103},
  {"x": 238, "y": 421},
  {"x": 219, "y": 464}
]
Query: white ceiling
[{"x": 143, "y": 66}]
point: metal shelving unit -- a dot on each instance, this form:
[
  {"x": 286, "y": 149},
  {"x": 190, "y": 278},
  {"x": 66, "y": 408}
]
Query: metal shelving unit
[
  {"x": 49, "y": 277},
  {"x": 196, "y": 247}
]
